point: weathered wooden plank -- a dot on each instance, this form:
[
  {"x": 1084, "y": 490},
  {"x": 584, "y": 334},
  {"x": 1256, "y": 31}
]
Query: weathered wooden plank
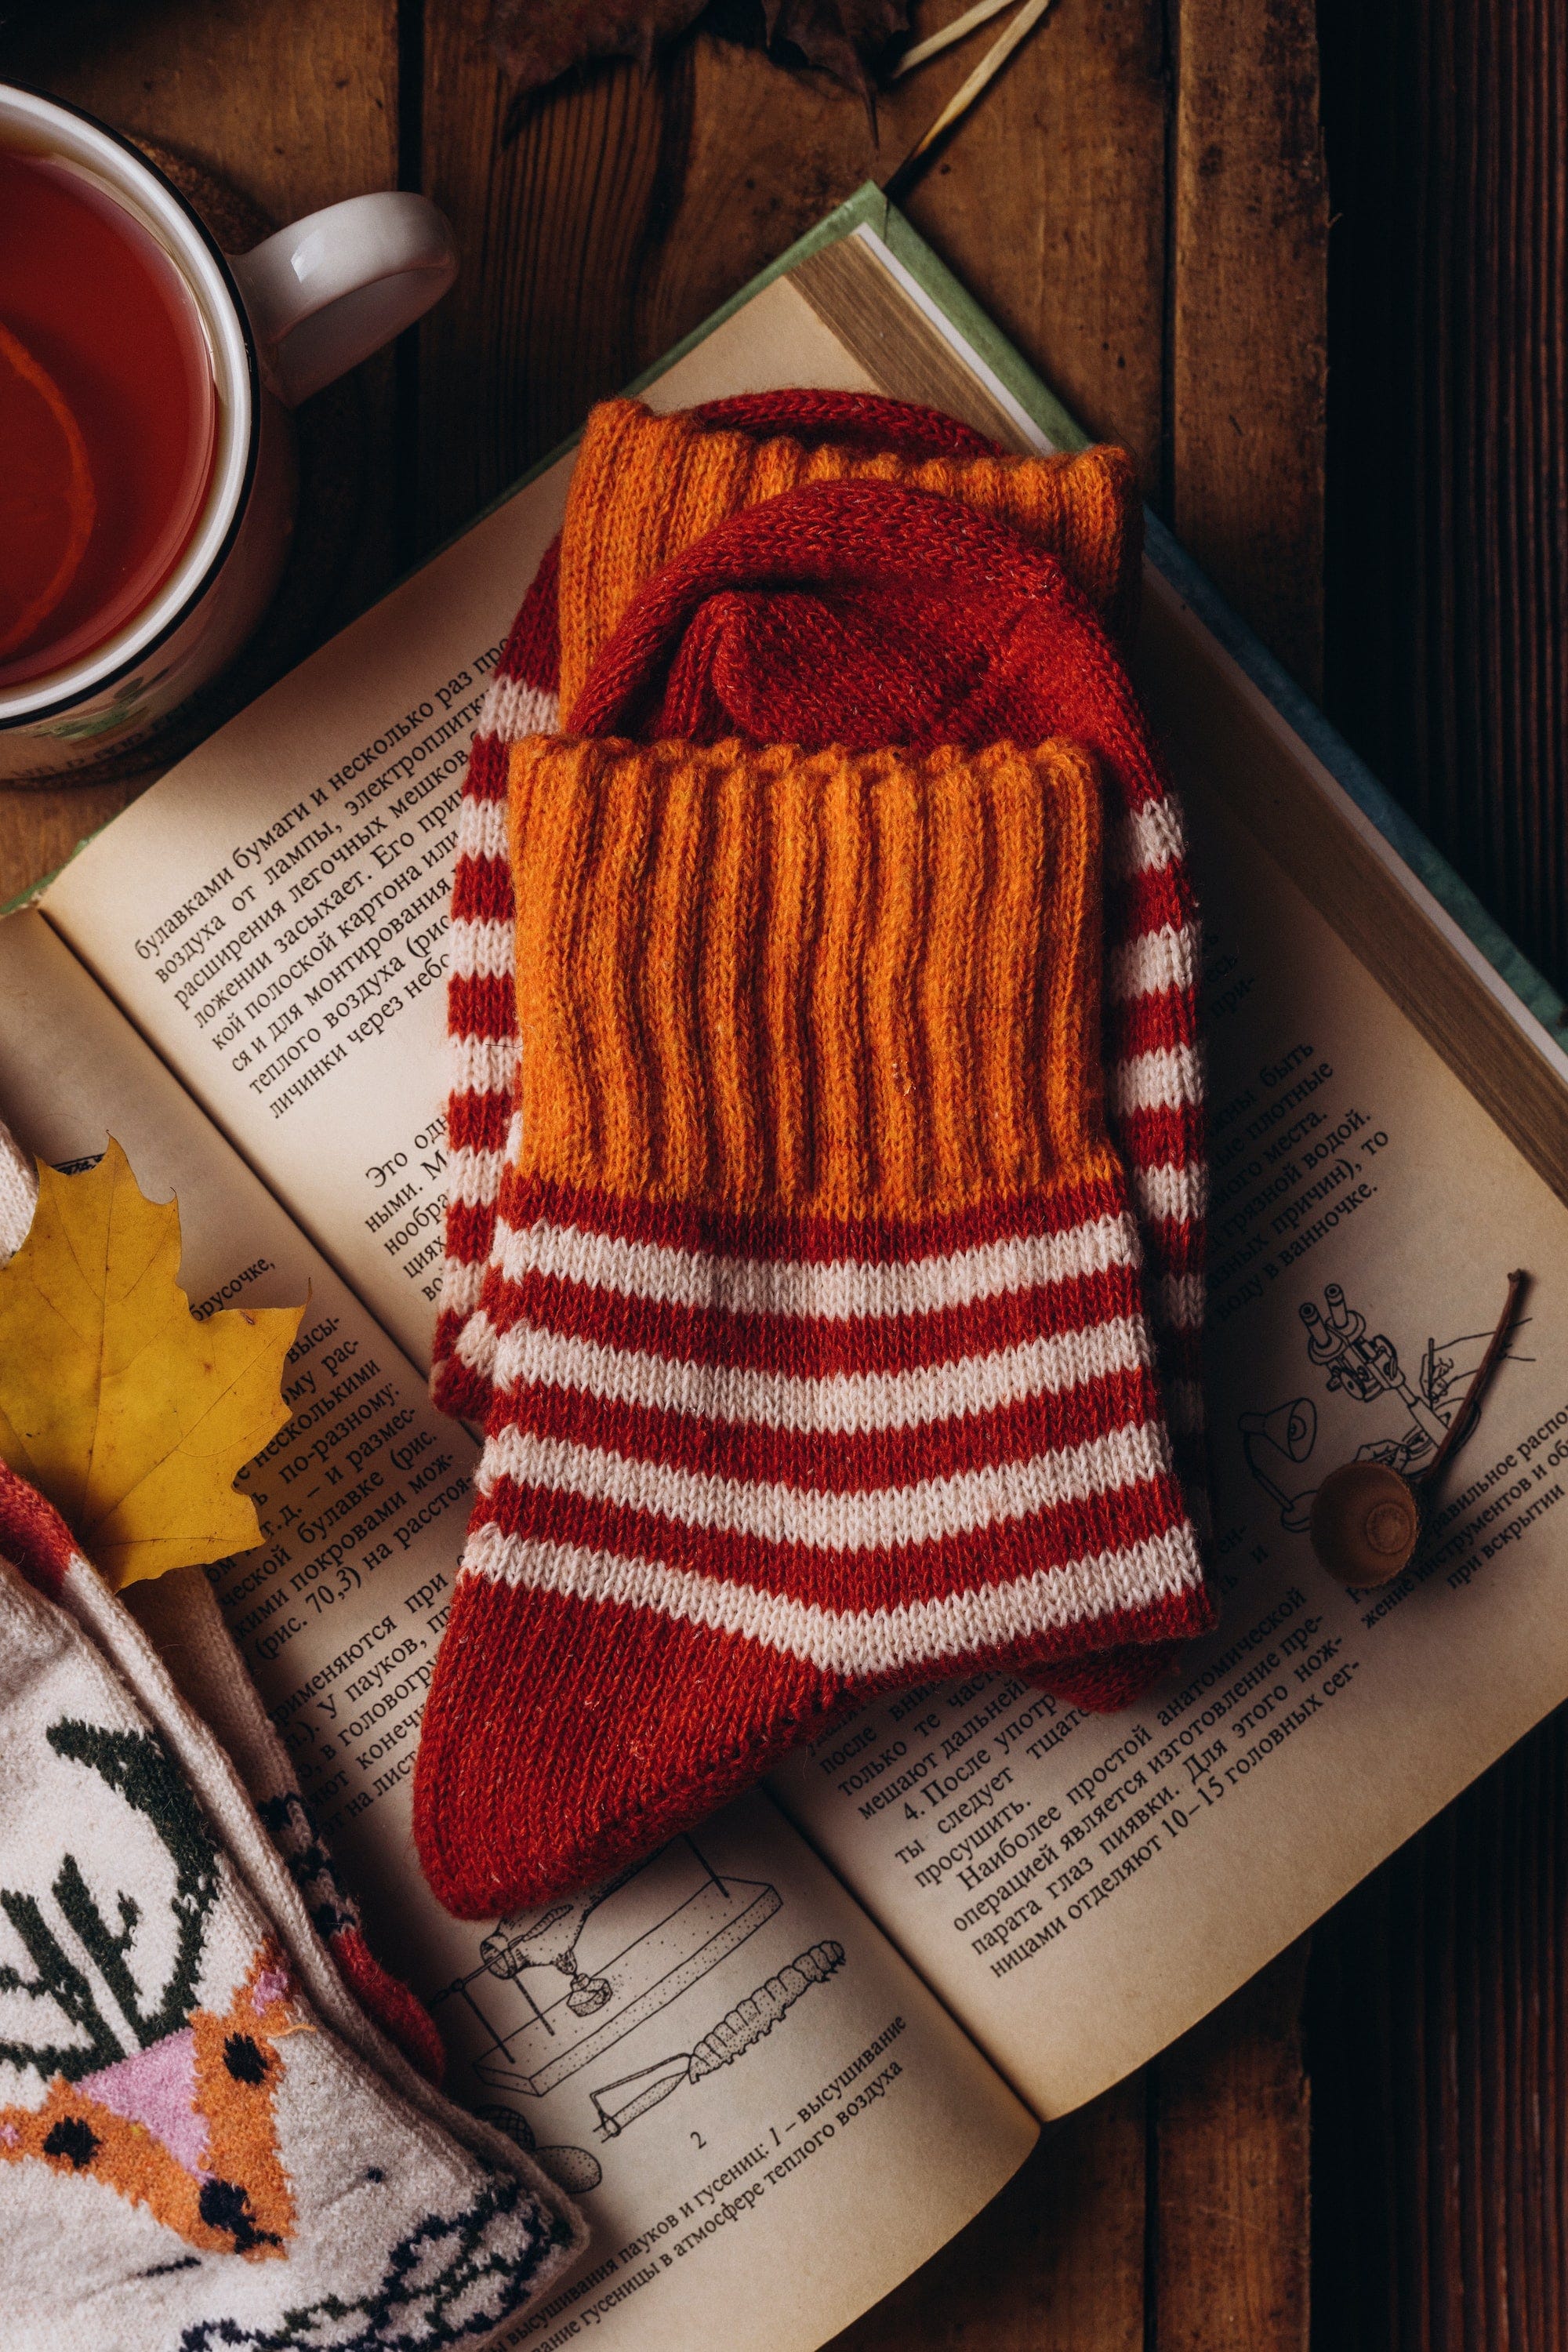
[
  {"x": 1230, "y": 2270},
  {"x": 553, "y": 229},
  {"x": 1054, "y": 2265},
  {"x": 1439, "y": 2043},
  {"x": 1439, "y": 1989},
  {"x": 1249, "y": 314},
  {"x": 1048, "y": 200},
  {"x": 754, "y": 157},
  {"x": 1449, "y": 424},
  {"x": 1050, "y": 204}
]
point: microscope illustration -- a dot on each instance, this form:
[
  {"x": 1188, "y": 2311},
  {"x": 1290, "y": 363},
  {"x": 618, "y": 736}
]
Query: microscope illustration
[{"x": 1366, "y": 1367}]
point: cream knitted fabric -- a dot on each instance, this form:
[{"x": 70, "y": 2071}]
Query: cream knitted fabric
[
  {"x": 189, "y": 2098},
  {"x": 18, "y": 1189}
]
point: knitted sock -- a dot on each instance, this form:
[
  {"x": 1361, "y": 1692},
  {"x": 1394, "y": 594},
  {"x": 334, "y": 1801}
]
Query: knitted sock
[
  {"x": 523, "y": 699},
  {"x": 182, "y": 1619},
  {"x": 644, "y": 487},
  {"x": 180, "y": 1615},
  {"x": 190, "y": 2102},
  {"x": 824, "y": 1368}
]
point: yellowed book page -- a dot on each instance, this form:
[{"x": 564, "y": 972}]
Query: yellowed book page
[
  {"x": 767, "y": 2117},
  {"x": 273, "y": 914},
  {"x": 1079, "y": 1890}
]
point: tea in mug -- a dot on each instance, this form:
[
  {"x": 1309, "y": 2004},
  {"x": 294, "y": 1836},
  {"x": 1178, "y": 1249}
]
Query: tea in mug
[{"x": 108, "y": 415}]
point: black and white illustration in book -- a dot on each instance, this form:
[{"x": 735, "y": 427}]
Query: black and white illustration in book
[
  {"x": 558, "y": 1990},
  {"x": 1409, "y": 1403}
]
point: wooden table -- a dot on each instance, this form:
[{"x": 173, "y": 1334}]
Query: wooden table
[{"x": 1141, "y": 202}]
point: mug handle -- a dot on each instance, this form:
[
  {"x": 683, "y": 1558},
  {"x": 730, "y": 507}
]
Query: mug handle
[{"x": 326, "y": 292}]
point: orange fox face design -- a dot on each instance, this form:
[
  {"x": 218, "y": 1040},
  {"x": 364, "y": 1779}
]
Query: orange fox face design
[
  {"x": 183, "y": 2122},
  {"x": 184, "y": 2127}
]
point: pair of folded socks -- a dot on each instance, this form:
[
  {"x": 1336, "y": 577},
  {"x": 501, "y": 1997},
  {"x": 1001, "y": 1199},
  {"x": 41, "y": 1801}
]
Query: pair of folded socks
[
  {"x": 807, "y": 1222},
  {"x": 193, "y": 2102}
]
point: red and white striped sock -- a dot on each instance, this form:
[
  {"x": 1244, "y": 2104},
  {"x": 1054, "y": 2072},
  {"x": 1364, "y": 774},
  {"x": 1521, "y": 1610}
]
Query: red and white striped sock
[
  {"x": 523, "y": 699},
  {"x": 822, "y": 1365},
  {"x": 703, "y": 1527},
  {"x": 1151, "y": 1043}
]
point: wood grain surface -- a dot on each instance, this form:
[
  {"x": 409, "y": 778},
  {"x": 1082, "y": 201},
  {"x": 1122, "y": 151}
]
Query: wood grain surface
[
  {"x": 1448, "y": 541},
  {"x": 1438, "y": 2012},
  {"x": 1437, "y": 2028},
  {"x": 1248, "y": 357},
  {"x": 1141, "y": 202}
]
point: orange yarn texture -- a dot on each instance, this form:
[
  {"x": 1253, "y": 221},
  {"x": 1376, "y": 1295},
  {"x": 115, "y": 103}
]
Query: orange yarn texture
[
  {"x": 850, "y": 984},
  {"x": 644, "y": 488}
]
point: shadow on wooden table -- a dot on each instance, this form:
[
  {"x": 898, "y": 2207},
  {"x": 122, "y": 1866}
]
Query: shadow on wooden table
[{"x": 1168, "y": 2212}]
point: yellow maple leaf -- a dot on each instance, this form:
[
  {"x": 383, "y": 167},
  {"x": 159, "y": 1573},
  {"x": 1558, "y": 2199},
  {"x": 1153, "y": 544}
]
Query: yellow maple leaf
[{"x": 129, "y": 1413}]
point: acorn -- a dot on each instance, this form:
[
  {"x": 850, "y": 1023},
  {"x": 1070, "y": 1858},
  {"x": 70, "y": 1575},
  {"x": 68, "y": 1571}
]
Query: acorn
[{"x": 1366, "y": 1523}]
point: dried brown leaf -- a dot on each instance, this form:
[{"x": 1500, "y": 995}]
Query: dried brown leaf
[
  {"x": 841, "y": 37},
  {"x": 537, "y": 41}
]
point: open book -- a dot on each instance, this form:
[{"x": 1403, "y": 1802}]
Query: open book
[{"x": 792, "y": 2054}]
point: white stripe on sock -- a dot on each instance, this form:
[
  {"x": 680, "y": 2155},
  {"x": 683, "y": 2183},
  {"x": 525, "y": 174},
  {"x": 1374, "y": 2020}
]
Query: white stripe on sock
[
  {"x": 852, "y": 1641},
  {"x": 1166, "y": 1079},
  {"x": 481, "y": 828},
  {"x": 480, "y": 951},
  {"x": 842, "y": 1404},
  {"x": 871, "y": 1518},
  {"x": 1147, "y": 965},
  {"x": 512, "y": 708},
  {"x": 837, "y": 1289},
  {"x": 483, "y": 1066},
  {"x": 1143, "y": 840}
]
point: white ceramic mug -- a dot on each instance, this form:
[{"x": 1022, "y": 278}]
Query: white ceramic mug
[{"x": 280, "y": 322}]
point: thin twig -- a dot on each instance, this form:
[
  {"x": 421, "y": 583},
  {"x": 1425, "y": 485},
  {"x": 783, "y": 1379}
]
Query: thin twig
[
  {"x": 1464, "y": 1420},
  {"x": 964, "y": 96},
  {"x": 981, "y": 14}
]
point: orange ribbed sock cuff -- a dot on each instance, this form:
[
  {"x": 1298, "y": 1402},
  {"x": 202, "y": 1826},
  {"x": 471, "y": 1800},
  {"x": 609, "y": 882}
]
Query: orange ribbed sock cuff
[
  {"x": 808, "y": 984},
  {"x": 645, "y": 487}
]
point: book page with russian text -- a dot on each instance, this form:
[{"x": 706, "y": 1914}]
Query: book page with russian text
[
  {"x": 768, "y": 2119},
  {"x": 1079, "y": 1889},
  {"x": 273, "y": 914}
]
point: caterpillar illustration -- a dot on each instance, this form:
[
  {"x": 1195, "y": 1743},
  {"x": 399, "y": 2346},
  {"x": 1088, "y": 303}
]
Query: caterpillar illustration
[{"x": 738, "y": 2030}]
